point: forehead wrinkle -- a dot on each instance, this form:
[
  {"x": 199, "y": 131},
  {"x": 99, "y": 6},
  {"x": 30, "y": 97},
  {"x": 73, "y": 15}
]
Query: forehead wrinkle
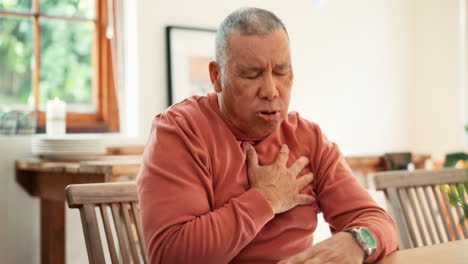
[{"x": 244, "y": 54}]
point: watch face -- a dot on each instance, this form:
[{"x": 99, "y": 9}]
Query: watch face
[{"x": 367, "y": 236}]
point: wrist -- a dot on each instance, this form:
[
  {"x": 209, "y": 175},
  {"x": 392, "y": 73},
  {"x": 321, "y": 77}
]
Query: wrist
[
  {"x": 357, "y": 249},
  {"x": 266, "y": 194}
]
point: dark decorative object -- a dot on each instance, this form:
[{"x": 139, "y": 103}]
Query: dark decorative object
[{"x": 397, "y": 161}]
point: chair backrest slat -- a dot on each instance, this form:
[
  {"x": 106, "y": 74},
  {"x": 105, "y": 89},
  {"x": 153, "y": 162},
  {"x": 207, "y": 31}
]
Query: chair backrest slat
[
  {"x": 136, "y": 217},
  {"x": 464, "y": 221},
  {"x": 420, "y": 205},
  {"x": 90, "y": 226},
  {"x": 119, "y": 230},
  {"x": 437, "y": 237},
  {"x": 453, "y": 223},
  {"x": 459, "y": 211},
  {"x": 132, "y": 236},
  {"x": 409, "y": 217},
  {"x": 108, "y": 231},
  {"x": 392, "y": 194},
  {"x": 434, "y": 214},
  {"x": 440, "y": 207},
  {"x": 417, "y": 217},
  {"x": 424, "y": 209},
  {"x": 120, "y": 217}
]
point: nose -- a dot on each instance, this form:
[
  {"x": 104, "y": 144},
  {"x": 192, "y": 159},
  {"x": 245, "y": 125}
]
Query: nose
[{"x": 268, "y": 89}]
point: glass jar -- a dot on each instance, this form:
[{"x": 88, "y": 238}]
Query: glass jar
[
  {"x": 8, "y": 123},
  {"x": 26, "y": 124}
]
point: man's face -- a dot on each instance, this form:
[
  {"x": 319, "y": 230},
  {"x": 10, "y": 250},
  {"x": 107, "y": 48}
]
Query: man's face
[{"x": 257, "y": 83}]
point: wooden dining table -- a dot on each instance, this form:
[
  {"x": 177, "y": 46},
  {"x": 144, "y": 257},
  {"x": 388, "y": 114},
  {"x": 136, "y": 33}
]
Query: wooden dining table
[
  {"x": 454, "y": 252},
  {"x": 47, "y": 179}
]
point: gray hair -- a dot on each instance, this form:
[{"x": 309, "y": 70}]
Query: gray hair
[{"x": 249, "y": 21}]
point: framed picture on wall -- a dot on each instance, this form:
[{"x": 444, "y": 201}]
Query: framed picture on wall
[{"x": 189, "y": 52}]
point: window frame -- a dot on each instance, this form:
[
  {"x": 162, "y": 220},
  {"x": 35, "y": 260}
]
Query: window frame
[{"x": 105, "y": 118}]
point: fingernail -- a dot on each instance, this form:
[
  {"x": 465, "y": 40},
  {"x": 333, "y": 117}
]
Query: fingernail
[
  {"x": 284, "y": 147},
  {"x": 247, "y": 147}
]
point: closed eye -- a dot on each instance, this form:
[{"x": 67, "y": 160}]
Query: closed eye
[
  {"x": 251, "y": 77},
  {"x": 250, "y": 73},
  {"x": 281, "y": 73},
  {"x": 256, "y": 76},
  {"x": 282, "y": 69}
]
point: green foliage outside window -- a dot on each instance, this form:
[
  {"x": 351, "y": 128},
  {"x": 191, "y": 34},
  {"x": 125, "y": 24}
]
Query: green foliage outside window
[
  {"x": 15, "y": 60},
  {"x": 66, "y": 68}
]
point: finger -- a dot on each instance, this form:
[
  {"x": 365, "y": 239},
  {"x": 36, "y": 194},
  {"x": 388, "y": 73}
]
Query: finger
[
  {"x": 283, "y": 155},
  {"x": 299, "y": 164},
  {"x": 252, "y": 158},
  {"x": 304, "y": 180},
  {"x": 304, "y": 199}
]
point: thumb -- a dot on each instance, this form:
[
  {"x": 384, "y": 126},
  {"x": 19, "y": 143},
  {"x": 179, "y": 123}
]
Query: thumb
[{"x": 252, "y": 158}]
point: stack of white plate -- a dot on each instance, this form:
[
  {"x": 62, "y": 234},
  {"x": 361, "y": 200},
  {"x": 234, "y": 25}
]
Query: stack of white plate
[{"x": 70, "y": 147}]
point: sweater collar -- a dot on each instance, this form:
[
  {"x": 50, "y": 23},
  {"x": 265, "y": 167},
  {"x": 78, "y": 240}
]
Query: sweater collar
[{"x": 238, "y": 133}]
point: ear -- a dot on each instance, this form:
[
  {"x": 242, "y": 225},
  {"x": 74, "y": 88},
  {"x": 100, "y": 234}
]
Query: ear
[{"x": 215, "y": 76}]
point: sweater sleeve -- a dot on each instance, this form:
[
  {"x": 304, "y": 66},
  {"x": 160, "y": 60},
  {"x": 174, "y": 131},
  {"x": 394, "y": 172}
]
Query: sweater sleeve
[
  {"x": 179, "y": 222},
  {"x": 343, "y": 200}
]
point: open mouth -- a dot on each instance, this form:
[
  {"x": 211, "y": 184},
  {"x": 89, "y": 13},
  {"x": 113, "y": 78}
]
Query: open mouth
[
  {"x": 268, "y": 112},
  {"x": 268, "y": 115}
]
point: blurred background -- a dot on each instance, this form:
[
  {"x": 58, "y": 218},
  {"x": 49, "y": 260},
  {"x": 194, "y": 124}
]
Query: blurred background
[{"x": 378, "y": 76}]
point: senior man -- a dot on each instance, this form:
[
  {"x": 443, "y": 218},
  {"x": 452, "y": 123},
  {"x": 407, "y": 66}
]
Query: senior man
[{"x": 232, "y": 177}]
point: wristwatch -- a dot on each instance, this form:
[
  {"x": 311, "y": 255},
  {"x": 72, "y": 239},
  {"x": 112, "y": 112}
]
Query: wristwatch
[{"x": 365, "y": 239}]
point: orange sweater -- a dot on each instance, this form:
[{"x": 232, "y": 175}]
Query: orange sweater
[{"x": 196, "y": 206}]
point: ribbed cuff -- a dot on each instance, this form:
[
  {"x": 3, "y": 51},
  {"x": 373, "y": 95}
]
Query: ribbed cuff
[{"x": 257, "y": 207}]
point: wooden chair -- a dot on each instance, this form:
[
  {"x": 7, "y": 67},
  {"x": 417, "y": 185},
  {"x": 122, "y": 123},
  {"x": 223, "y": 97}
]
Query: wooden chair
[
  {"x": 96, "y": 203},
  {"x": 421, "y": 210}
]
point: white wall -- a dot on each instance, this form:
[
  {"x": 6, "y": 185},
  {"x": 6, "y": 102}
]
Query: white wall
[
  {"x": 359, "y": 72},
  {"x": 353, "y": 72},
  {"x": 438, "y": 96},
  {"x": 352, "y": 63},
  {"x": 19, "y": 214}
]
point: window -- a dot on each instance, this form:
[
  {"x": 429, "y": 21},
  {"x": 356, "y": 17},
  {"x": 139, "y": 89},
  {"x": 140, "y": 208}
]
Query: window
[{"x": 58, "y": 48}]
